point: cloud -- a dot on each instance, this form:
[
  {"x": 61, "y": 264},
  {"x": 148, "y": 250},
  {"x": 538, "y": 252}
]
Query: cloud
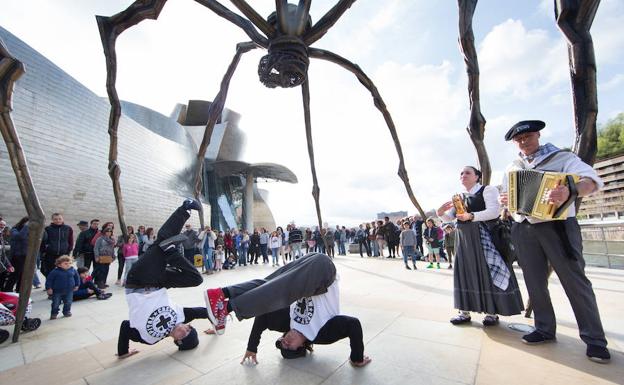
[
  {"x": 517, "y": 62},
  {"x": 613, "y": 83}
]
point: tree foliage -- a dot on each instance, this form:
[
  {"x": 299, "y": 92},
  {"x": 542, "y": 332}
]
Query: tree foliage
[{"x": 611, "y": 138}]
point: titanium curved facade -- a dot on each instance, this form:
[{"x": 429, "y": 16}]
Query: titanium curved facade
[{"x": 63, "y": 128}]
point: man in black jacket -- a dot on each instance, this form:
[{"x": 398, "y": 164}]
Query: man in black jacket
[
  {"x": 300, "y": 299},
  {"x": 83, "y": 251},
  {"x": 58, "y": 239},
  {"x": 153, "y": 316}
]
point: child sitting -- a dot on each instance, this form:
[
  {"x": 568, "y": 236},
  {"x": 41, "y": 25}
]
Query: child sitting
[
  {"x": 87, "y": 288},
  {"x": 61, "y": 284}
]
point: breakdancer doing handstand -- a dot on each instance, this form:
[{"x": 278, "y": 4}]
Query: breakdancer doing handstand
[
  {"x": 153, "y": 316},
  {"x": 300, "y": 299}
]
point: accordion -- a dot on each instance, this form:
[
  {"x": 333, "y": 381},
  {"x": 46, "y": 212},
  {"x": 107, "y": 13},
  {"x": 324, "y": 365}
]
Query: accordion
[{"x": 528, "y": 193}]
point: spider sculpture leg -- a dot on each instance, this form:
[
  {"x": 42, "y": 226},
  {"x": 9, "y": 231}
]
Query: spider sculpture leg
[
  {"x": 10, "y": 70},
  {"x": 305, "y": 90},
  {"x": 215, "y": 111},
  {"x": 381, "y": 106},
  {"x": 110, "y": 28}
]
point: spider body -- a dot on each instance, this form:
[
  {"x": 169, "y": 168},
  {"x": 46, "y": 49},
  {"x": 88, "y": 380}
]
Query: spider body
[{"x": 287, "y": 34}]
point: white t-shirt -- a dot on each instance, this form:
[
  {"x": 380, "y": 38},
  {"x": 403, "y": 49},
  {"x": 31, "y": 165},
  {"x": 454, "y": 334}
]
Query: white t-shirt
[
  {"x": 275, "y": 242},
  {"x": 153, "y": 314},
  {"x": 309, "y": 314}
]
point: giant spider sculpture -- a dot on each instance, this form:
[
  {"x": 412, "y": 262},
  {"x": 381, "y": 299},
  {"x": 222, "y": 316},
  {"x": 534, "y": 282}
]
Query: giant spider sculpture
[{"x": 287, "y": 34}]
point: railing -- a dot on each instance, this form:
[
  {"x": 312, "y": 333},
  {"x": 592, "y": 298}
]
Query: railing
[{"x": 603, "y": 245}]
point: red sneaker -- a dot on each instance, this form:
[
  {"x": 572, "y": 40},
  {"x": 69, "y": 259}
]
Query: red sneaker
[{"x": 216, "y": 304}]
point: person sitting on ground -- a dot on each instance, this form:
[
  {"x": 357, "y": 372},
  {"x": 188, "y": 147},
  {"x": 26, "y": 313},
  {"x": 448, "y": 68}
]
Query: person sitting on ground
[
  {"x": 61, "y": 284},
  {"x": 87, "y": 287},
  {"x": 153, "y": 316},
  {"x": 283, "y": 301}
]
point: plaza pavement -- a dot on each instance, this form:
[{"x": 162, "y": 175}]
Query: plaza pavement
[{"x": 404, "y": 315}]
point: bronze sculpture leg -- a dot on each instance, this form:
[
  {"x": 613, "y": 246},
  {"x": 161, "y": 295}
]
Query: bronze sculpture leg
[
  {"x": 10, "y": 70},
  {"x": 215, "y": 111},
  {"x": 381, "y": 106},
  {"x": 305, "y": 90},
  {"x": 110, "y": 28}
]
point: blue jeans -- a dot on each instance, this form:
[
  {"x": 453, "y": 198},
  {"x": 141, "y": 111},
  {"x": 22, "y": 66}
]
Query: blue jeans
[
  {"x": 341, "y": 248},
  {"x": 275, "y": 255},
  {"x": 407, "y": 252},
  {"x": 208, "y": 258},
  {"x": 242, "y": 256},
  {"x": 67, "y": 299}
]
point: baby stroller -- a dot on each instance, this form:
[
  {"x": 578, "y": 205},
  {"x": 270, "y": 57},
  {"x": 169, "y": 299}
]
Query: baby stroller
[{"x": 8, "y": 310}]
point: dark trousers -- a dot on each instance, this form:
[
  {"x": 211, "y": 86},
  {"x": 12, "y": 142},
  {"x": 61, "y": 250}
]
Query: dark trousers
[
  {"x": 67, "y": 299},
  {"x": 48, "y": 263},
  {"x": 14, "y": 279},
  {"x": 254, "y": 251},
  {"x": 189, "y": 254},
  {"x": 543, "y": 243},
  {"x": 151, "y": 269},
  {"x": 265, "y": 255},
  {"x": 121, "y": 261},
  {"x": 304, "y": 277},
  {"x": 88, "y": 259},
  {"x": 366, "y": 246},
  {"x": 100, "y": 273}
]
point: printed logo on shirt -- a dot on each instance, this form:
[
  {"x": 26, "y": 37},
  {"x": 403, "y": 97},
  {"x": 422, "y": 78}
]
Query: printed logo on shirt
[
  {"x": 303, "y": 311},
  {"x": 161, "y": 321}
]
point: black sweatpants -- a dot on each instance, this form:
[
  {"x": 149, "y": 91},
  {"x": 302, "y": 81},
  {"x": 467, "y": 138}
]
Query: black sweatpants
[
  {"x": 305, "y": 277},
  {"x": 151, "y": 269}
]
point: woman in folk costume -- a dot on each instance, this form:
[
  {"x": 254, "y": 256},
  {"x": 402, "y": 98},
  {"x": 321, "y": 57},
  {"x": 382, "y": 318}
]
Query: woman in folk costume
[{"x": 483, "y": 282}]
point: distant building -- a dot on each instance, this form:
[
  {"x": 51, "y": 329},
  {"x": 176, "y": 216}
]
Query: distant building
[
  {"x": 608, "y": 203},
  {"x": 394, "y": 216}
]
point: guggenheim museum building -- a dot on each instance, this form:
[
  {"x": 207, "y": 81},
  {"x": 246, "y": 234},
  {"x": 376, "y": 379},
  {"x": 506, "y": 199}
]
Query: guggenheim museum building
[{"x": 63, "y": 129}]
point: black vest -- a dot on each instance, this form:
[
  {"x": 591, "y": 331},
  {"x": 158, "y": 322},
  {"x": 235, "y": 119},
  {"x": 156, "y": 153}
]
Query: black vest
[{"x": 475, "y": 202}]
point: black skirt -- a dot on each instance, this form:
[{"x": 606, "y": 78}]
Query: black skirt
[{"x": 473, "y": 289}]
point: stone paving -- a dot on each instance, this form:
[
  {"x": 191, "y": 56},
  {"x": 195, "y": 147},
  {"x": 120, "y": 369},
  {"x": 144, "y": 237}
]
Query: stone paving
[{"x": 406, "y": 330}]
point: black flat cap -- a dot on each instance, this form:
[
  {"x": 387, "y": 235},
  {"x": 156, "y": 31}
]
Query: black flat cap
[
  {"x": 524, "y": 126},
  {"x": 83, "y": 223}
]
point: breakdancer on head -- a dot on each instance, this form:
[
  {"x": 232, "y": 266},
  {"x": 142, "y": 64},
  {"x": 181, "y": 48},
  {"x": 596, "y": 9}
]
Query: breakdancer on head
[
  {"x": 300, "y": 299},
  {"x": 153, "y": 316}
]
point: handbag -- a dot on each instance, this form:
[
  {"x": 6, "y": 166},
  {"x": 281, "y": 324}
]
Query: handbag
[
  {"x": 500, "y": 231},
  {"x": 105, "y": 259}
]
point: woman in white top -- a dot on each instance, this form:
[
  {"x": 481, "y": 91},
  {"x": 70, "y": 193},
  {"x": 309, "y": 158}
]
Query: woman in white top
[
  {"x": 483, "y": 282},
  {"x": 275, "y": 242}
]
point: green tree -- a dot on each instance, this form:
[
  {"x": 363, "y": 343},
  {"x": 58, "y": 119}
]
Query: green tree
[{"x": 611, "y": 138}]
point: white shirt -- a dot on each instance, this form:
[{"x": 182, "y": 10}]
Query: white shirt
[
  {"x": 153, "y": 314},
  {"x": 309, "y": 314},
  {"x": 492, "y": 207},
  {"x": 276, "y": 242},
  {"x": 563, "y": 161}
]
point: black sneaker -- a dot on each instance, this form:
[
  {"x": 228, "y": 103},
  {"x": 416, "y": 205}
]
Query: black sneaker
[
  {"x": 490, "y": 320},
  {"x": 460, "y": 319},
  {"x": 598, "y": 354},
  {"x": 191, "y": 204},
  {"x": 536, "y": 337},
  {"x": 172, "y": 241},
  {"x": 407, "y": 267}
]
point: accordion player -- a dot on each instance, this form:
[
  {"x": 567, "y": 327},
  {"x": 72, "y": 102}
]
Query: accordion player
[{"x": 529, "y": 189}]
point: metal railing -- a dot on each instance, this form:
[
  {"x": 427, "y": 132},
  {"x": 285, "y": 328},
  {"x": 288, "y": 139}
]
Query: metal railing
[{"x": 603, "y": 244}]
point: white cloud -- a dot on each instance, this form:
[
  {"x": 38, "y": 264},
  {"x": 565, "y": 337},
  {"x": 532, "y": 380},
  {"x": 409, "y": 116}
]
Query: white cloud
[{"x": 519, "y": 62}]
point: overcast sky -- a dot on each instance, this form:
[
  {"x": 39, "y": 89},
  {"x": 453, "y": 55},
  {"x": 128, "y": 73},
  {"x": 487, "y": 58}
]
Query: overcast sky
[{"x": 407, "y": 47}]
